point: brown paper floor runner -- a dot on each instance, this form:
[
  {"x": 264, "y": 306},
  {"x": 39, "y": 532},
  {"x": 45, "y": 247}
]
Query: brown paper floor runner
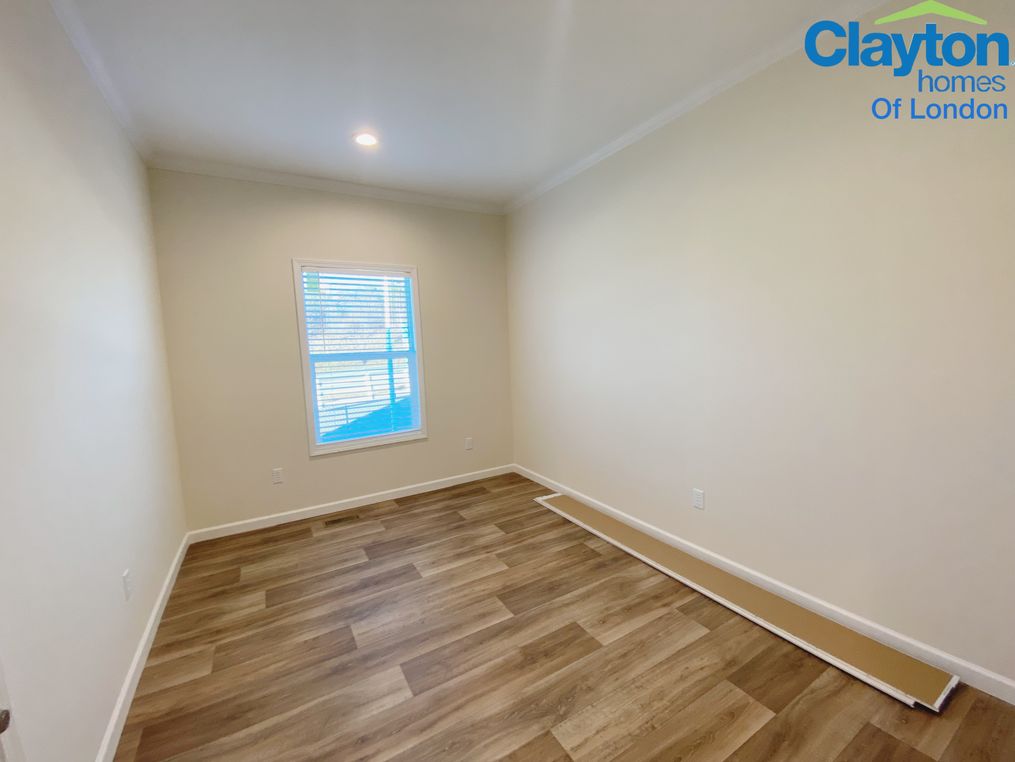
[{"x": 897, "y": 674}]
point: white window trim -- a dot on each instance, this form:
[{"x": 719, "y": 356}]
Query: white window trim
[{"x": 356, "y": 268}]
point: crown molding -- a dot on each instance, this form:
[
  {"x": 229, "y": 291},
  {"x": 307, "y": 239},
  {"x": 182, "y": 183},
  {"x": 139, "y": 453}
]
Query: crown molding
[
  {"x": 67, "y": 14},
  {"x": 292, "y": 180},
  {"x": 785, "y": 48}
]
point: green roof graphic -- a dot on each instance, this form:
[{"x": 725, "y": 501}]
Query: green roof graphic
[{"x": 931, "y": 8}]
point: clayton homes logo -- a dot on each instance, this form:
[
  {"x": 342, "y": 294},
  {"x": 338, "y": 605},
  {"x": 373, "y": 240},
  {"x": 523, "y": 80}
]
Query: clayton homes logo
[{"x": 925, "y": 54}]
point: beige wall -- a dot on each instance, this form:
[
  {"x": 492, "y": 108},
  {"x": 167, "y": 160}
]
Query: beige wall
[
  {"x": 811, "y": 317},
  {"x": 225, "y": 250},
  {"x": 89, "y": 475}
]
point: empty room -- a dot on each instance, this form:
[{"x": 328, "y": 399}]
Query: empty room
[{"x": 532, "y": 380}]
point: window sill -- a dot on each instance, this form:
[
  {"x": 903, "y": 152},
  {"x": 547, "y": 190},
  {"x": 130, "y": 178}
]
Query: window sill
[{"x": 366, "y": 443}]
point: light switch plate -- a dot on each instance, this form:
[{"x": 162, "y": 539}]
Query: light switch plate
[{"x": 128, "y": 586}]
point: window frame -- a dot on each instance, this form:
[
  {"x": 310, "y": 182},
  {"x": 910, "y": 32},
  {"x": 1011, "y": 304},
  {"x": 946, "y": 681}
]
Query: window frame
[{"x": 356, "y": 268}]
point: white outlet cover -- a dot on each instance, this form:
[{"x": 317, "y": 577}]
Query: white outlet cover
[
  {"x": 128, "y": 589},
  {"x": 468, "y": 443},
  {"x": 277, "y": 476},
  {"x": 698, "y": 499}
]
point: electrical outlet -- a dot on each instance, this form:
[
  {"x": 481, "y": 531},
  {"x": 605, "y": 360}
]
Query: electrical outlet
[
  {"x": 128, "y": 586},
  {"x": 468, "y": 443},
  {"x": 277, "y": 476},
  {"x": 698, "y": 499}
]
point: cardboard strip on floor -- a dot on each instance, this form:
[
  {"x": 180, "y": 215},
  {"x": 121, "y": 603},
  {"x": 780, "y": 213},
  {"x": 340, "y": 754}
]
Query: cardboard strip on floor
[{"x": 899, "y": 675}]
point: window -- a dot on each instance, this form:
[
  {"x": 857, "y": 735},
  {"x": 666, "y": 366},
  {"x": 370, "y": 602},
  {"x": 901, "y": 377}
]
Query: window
[{"x": 359, "y": 330}]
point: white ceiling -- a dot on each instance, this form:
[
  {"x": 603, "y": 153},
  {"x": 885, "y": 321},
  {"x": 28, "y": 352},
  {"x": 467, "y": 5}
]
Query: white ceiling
[{"x": 487, "y": 101}]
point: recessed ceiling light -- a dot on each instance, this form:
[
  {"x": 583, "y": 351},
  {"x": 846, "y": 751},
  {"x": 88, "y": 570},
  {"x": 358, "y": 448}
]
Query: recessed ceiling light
[{"x": 365, "y": 139}]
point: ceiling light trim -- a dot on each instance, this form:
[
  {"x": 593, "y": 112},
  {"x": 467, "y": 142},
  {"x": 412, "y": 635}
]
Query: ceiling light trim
[
  {"x": 341, "y": 187},
  {"x": 366, "y": 139},
  {"x": 787, "y": 47}
]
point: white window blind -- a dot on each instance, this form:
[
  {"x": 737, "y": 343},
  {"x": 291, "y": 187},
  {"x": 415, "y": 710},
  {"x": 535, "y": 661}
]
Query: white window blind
[{"x": 360, "y": 336}]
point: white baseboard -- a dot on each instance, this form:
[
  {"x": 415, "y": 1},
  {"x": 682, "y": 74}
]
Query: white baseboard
[
  {"x": 978, "y": 677},
  {"x": 112, "y": 737},
  {"x": 286, "y": 517}
]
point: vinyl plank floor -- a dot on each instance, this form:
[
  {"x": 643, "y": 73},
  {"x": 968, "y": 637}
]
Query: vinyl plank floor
[{"x": 471, "y": 623}]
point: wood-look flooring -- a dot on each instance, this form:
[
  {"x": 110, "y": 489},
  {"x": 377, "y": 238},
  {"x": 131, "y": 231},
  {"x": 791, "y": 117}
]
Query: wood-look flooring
[{"x": 473, "y": 624}]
